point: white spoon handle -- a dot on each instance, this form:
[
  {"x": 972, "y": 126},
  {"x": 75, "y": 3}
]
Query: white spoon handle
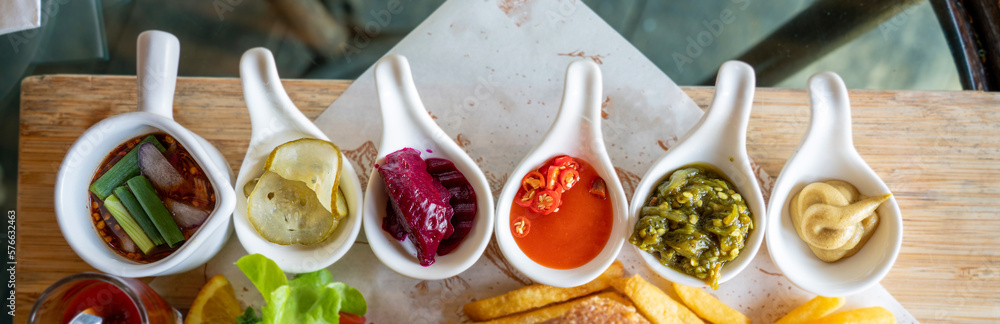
[
  {"x": 403, "y": 112},
  {"x": 581, "y": 100},
  {"x": 157, "y": 53},
  {"x": 579, "y": 117},
  {"x": 725, "y": 122},
  {"x": 271, "y": 111},
  {"x": 830, "y": 124}
]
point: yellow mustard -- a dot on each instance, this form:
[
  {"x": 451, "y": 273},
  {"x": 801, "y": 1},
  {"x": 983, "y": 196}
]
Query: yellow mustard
[{"x": 833, "y": 218}]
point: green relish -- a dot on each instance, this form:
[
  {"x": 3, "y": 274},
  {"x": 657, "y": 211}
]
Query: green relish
[{"x": 694, "y": 222}]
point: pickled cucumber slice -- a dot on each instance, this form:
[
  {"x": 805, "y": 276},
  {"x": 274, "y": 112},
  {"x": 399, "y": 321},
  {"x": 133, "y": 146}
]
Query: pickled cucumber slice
[
  {"x": 313, "y": 161},
  {"x": 341, "y": 204},
  {"x": 287, "y": 211}
]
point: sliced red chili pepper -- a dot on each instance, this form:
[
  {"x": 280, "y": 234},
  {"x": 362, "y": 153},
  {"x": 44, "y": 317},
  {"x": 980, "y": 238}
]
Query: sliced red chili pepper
[
  {"x": 524, "y": 198},
  {"x": 599, "y": 188},
  {"x": 566, "y": 162},
  {"x": 559, "y": 188},
  {"x": 562, "y": 159},
  {"x": 552, "y": 177},
  {"x": 546, "y": 202},
  {"x": 568, "y": 178},
  {"x": 533, "y": 180},
  {"x": 520, "y": 227},
  {"x": 572, "y": 165}
]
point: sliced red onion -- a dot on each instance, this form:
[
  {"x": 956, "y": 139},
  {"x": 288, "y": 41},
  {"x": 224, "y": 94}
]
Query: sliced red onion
[
  {"x": 200, "y": 192},
  {"x": 127, "y": 244},
  {"x": 157, "y": 169},
  {"x": 185, "y": 215}
]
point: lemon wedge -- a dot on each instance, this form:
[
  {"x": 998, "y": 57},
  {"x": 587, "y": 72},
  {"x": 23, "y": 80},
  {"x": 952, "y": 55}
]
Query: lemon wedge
[
  {"x": 287, "y": 211},
  {"x": 313, "y": 161}
]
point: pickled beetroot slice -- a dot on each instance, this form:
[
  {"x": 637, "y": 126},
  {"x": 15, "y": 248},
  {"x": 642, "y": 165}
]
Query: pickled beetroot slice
[
  {"x": 391, "y": 224},
  {"x": 419, "y": 201},
  {"x": 463, "y": 200}
]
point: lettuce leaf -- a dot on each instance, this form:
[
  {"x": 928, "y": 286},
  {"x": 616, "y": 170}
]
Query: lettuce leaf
[
  {"x": 282, "y": 309},
  {"x": 263, "y": 273},
  {"x": 353, "y": 302},
  {"x": 326, "y": 309},
  {"x": 309, "y": 298},
  {"x": 308, "y": 286}
]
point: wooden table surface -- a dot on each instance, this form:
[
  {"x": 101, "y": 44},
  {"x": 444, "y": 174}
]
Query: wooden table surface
[{"x": 937, "y": 151}]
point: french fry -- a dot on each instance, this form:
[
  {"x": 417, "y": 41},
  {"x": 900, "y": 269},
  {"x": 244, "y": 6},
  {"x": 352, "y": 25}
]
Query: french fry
[
  {"x": 549, "y": 312},
  {"x": 869, "y": 315},
  {"x": 538, "y": 295},
  {"x": 708, "y": 307},
  {"x": 812, "y": 309},
  {"x": 653, "y": 303}
]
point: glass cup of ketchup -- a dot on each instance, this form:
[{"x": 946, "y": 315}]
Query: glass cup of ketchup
[{"x": 115, "y": 300}]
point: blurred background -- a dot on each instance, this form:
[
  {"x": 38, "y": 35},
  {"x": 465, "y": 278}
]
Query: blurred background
[{"x": 882, "y": 44}]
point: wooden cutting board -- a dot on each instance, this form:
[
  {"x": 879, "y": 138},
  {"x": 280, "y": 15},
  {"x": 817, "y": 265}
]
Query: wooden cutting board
[{"x": 940, "y": 158}]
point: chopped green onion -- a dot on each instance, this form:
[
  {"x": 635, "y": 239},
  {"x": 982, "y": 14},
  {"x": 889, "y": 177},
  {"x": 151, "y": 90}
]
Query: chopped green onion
[
  {"x": 157, "y": 212},
  {"x": 124, "y": 169},
  {"x": 132, "y": 205},
  {"x": 128, "y": 224}
]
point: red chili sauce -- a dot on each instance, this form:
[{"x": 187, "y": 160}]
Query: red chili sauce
[
  {"x": 575, "y": 232},
  {"x": 105, "y": 300}
]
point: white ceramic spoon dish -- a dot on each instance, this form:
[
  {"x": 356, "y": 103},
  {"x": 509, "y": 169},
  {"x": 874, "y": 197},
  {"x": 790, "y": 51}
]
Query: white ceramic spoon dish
[
  {"x": 158, "y": 53},
  {"x": 718, "y": 140},
  {"x": 827, "y": 153},
  {"x": 406, "y": 124},
  {"x": 576, "y": 132},
  {"x": 275, "y": 120}
]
